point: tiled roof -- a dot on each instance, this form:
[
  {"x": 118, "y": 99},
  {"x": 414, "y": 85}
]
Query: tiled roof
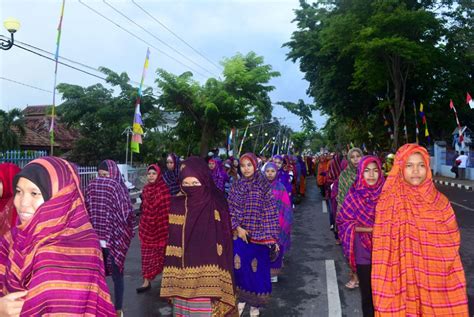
[{"x": 37, "y": 130}]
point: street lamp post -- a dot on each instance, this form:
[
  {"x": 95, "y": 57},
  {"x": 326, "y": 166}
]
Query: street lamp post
[{"x": 12, "y": 25}]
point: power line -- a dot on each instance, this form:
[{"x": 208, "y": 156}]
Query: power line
[
  {"x": 140, "y": 39},
  {"x": 64, "y": 64},
  {"x": 158, "y": 39},
  {"x": 70, "y": 60},
  {"x": 176, "y": 35},
  {"x": 30, "y": 86}
]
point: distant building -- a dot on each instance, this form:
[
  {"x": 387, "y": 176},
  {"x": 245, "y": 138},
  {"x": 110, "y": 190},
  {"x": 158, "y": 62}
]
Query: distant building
[{"x": 37, "y": 123}]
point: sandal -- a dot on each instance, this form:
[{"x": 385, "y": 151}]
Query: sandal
[{"x": 352, "y": 284}]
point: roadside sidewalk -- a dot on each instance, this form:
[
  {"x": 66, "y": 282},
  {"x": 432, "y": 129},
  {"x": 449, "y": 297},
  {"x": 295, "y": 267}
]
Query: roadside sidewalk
[{"x": 453, "y": 182}]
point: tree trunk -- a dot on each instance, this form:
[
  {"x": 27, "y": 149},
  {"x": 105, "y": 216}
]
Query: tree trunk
[
  {"x": 399, "y": 75},
  {"x": 206, "y": 137}
]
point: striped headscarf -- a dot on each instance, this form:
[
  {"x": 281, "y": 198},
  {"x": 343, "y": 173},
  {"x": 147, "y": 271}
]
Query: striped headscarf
[
  {"x": 155, "y": 210},
  {"x": 416, "y": 266},
  {"x": 171, "y": 176},
  {"x": 218, "y": 174},
  {"x": 358, "y": 210},
  {"x": 347, "y": 177},
  {"x": 253, "y": 207},
  {"x": 284, "y": 208},
  {"x": 56, "y": 256},
  {"x": 111, "y": 213}
]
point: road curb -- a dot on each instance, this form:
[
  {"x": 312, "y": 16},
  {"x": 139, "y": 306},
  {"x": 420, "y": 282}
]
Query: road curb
[{"x": 452, "y": 184}]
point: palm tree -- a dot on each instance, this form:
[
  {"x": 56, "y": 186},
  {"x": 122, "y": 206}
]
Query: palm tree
[{"x": 12, "y": 125}]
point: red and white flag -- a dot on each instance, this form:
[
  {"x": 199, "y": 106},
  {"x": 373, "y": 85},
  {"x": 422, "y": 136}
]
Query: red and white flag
[{"x": 469, "y": 101}]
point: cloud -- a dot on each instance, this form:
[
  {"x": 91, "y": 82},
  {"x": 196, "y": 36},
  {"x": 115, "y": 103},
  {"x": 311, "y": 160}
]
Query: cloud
[{"x": 217, "y": 29}]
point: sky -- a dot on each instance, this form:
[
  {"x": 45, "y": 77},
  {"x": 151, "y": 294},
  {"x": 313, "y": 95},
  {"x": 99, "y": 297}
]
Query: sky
[{"x": 217, "y": 29}]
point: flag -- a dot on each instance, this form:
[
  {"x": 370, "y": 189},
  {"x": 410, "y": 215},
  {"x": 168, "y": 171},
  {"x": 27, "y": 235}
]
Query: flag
[
  {"x": 135, "y": 147},
  {"x": 423, "y": 120},
  {"x": 451, "y": 106},
  {"x": 137, "y": 117},
  {"x": 469, "y": 101},
  {"x": 229, "y": 139},
  {"x": 56, "y": 57},
  {"x": 243, "y": 139}
]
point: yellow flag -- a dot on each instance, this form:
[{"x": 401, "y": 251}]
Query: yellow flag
[
  {"x": 137, "y": 128},
  {"x": 421, "y": 107},
  {"x": 426, "y": 131}
]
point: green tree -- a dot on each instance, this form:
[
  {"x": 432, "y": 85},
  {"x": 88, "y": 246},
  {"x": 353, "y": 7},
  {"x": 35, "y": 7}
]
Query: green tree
[
  {"x": 12, "y": 127},
  {"x": 207, "y": 112},
  {"x": 299, "y": 139},
  {"x": 304, "y": 112},
  {"x": 365, "y": 58},
  {"x": 101, "y": 117}
]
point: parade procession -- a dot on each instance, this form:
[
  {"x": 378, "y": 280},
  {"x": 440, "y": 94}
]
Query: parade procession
[{"x": 246, "y": 158}]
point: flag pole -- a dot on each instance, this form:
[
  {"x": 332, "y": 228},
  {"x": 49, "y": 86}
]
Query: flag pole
[
  {"x": 137, "y": 130},
  {"x": 56, "y": 57}
]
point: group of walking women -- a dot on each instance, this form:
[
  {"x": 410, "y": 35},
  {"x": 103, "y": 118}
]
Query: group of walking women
[
  {"x": 218, "y": 233},
  {"x": 223, "y": 247},
  {"x": 215, "y": 254},
  {"x": 399, "y": 234}
]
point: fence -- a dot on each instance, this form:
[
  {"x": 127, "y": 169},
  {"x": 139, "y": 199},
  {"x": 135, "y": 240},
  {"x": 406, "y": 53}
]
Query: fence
[
  {"x": 136, "y": 176},
  {"x": 20, "y": 158},
  {"x": 86, "y": 174}
]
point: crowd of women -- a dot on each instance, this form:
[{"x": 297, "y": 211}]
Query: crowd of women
[
  {"x": 218, "y": 233},
  {"x": 398, "y": 232}
]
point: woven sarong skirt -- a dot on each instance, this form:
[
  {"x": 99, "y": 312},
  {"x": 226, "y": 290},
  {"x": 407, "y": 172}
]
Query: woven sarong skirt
[{"x": 252, "y": 273}]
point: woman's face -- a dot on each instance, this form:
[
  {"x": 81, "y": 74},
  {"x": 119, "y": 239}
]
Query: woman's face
[
  {"x": 151, "y": 176},
  {"x": 246, "y": 167},
  {"x": 270, "y": 173},
  {"x": 190, "y": 182},
  {"x": 169, "y": 163},
  {"x": 415, "y": 169},
  {"x": 278, "y": 163},
  {"x": 235, "y": 163},
  {"x": 355, "y": 158},
  {"x": 28, "y": 199},
  {"x": 103, "y": 173},
  {"x": 371, "y": 174},
  {"x": 1, "y": 189},
  {"x": 212, "y": 165}
]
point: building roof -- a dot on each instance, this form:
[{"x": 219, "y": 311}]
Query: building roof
[{"x": 37, "y": 124}]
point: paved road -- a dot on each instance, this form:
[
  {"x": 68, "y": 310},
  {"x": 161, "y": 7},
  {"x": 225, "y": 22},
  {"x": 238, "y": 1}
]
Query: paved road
[
  {"x": 463, "y": 205},
  {"x": 313, "y": 280}
]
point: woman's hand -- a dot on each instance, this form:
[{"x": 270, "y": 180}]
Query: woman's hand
[
  {"x": 364, "y": 229},
  {"x": 242, "y": 234},
  {"x": 11, "y": 304}
]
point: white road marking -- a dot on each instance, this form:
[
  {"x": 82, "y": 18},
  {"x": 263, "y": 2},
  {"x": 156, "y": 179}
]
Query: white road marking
[
  {"x": 462, "y": 206},
  {"x": 334, "y": 302},
  {"x": 325, "y": 207}
]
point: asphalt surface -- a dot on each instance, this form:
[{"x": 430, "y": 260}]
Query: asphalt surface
[
  {"x": 307, "y": 286},
  {"x": 463, "y": 205}
]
